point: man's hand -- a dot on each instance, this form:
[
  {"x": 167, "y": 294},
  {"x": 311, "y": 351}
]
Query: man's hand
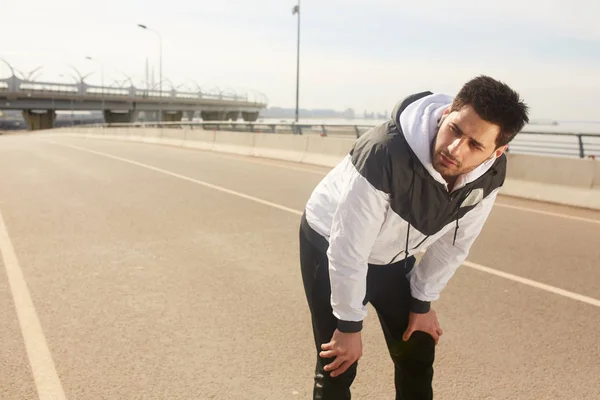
[
  {"x": 423, "y": 322},
  {"x": 346, "y": 348}
]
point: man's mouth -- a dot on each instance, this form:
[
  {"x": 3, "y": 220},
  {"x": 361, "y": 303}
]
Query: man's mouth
[{"x": 448, "y": 162}]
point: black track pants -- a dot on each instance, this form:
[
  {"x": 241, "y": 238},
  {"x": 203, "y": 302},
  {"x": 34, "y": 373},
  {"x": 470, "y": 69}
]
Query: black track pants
[{"x": 388, "y": 290}]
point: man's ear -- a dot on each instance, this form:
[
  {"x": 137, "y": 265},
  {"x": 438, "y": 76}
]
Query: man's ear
[
  {"x": 444, "y": 115},
  {"x": 499, "y": 151}
]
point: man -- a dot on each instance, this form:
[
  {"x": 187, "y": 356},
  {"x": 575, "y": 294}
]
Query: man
[{"x": 424, "y": 181}]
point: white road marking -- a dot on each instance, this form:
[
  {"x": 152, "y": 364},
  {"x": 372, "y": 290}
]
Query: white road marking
[
  {"x": 549, "y": 213},
  {"x": 537, "y": 285},
  {"x": 278, "y": 163},
  {"x": 186, "y": 178},
  {"x": 498, "y": 204},
  {"x": 515, "y": 278},
  {"x": 44, "y": 372},
  {"x": 273, "y": 162}
]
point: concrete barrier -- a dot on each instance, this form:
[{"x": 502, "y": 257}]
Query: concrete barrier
[
  {"x": 552, "y": 170},
  {"x": 596, "y": 183},
  {"x": 326, "y": 151},
  {"x": 153, "y": 136},
  {"x": 199, "y": 139},
  {"x": 172, "y": 137},
  {"x": 558, "y": 194},
  {"x": 568, "y": 181},
  {"x": 559, "y": 180},
  {"x": 234, "y": 142},
  {"x": 130, "y": 134},
  {"x": 280, "y": 147}
]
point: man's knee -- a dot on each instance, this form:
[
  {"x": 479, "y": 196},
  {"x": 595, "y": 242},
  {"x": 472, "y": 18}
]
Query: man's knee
[{"x": 419, "y": 350}]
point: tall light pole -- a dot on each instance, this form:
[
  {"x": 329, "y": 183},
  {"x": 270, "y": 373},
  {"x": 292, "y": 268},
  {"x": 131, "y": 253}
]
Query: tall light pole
[
  {"x": 160, "y": 67},
  {"x": 296, "y": 10},
  {"x": 101, "y": 78}
]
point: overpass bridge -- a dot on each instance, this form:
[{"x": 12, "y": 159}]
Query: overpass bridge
[{"x": 39, "y": 101}]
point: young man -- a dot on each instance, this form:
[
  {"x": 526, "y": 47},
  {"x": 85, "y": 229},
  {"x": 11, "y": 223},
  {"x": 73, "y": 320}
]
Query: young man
[{"x": 424, "y": 181}]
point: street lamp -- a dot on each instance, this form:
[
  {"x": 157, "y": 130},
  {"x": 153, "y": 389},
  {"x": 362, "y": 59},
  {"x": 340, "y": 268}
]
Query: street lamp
[
  {"x": 296, "y": 10},
  {"x": 101, "y": 78},
  {"x": 160, "y": 66}
]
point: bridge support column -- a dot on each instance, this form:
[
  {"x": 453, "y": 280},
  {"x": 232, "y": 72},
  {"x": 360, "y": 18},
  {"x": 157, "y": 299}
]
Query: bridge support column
[
  {"x": 172, "y": 116},
  {"x": 213, "y": 115},
  {"x": 249, "y": 116},
  {"x": 190, "y": 115},
  {"x": 151, "y": 116},
  {"x": 39, "y": 120},
  {"x": 232, "y": 115},
  {"x": 118, "y": 117}
]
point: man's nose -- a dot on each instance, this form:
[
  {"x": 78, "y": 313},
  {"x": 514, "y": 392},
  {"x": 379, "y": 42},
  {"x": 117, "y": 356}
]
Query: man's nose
[{"x": 456, "y": 147}]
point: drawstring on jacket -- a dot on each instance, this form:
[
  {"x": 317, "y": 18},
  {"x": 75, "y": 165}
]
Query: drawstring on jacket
[
  {"x": 411, "y": 196},
  {"x": 412, "y": 191},
  {"x": 456, "y": 229}
]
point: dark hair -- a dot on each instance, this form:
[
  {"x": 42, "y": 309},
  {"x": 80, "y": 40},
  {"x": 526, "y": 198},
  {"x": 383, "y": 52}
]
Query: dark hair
[{"x": 495, "y": 102}]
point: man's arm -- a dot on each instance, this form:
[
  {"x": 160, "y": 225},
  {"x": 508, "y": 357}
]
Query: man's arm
[
  {"x": 356, "y": 224},
  {"x": 443, "y": 258}
]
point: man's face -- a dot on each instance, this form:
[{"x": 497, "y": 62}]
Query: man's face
[{"x": 464, "y": 141}]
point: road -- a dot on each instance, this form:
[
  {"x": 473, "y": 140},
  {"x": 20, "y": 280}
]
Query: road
[{"x": 157, "y": 272}]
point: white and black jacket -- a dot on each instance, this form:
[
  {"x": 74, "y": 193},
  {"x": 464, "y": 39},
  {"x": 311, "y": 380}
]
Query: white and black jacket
[{"x": 385, "y": 202}]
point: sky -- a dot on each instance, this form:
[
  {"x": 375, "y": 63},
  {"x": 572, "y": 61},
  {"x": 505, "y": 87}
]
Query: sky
[{"x": 365, "y": 55}]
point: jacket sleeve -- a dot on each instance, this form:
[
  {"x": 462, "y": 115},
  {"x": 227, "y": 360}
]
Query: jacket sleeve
[
  {"x": 356, "y": 223},
  {"x": 443, "y": 257}
]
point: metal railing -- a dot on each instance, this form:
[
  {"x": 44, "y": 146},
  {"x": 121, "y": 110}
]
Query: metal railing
[
  {"x": 14, "y": 85},
  {"x": 566, "y": 144},
  {"x": 29, "y": 85},
  {"x": 582, "y": 145},
  {"x": 345, "y": 130}
]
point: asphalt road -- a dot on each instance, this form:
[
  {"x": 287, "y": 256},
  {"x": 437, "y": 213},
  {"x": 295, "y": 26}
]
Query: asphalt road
[{"x": 165, "y": 273}]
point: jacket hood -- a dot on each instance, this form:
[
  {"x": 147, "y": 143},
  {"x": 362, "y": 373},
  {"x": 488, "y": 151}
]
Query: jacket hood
[{"x": 419, "y": 124}]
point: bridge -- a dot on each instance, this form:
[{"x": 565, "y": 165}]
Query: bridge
[
  {"x": 143, "y": 270},
  {"x": 39, "y": 101}
]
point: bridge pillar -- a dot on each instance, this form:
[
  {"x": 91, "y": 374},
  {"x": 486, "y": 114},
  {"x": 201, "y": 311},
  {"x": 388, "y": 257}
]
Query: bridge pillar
[
  {"x": 213, "y": 115},
  {"x": 172, "y": 116},
  {"x": 120, "y": 118},
  {"x": 36, "y": 120},
  {"x": 249, "y": 116},
  {"x": 190, "y": 115},
  {"x": 150, "y": 116},
  {"x": 232, "y": 115}
]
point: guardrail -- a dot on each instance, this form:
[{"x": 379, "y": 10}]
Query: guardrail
[
  {"x": 16, "y": 86},
  {"x": 258, "y": 127},
  {"x": 567, "y": 144}
]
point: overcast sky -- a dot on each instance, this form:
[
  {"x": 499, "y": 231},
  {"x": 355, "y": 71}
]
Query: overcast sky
[{"x": 361, "y": 54}]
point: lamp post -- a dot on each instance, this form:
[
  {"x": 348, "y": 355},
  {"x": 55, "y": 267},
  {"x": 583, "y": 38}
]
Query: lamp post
[
  {"x": 160, "y": 67},
  {"x": 101, "y": 78},
  {"x": 296, "y": 10}
]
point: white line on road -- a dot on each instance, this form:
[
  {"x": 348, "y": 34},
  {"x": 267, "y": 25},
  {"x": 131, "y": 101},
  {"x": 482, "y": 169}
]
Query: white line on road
[
  {"x": 186, "y": 178},
  {"x": 538, "y": 285},
  {"x": 515, "y": 278},
  {"x": 44, "y": 372},
  {"x": 278, "y": 164},
  {"x": 549, "y": 213}
]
